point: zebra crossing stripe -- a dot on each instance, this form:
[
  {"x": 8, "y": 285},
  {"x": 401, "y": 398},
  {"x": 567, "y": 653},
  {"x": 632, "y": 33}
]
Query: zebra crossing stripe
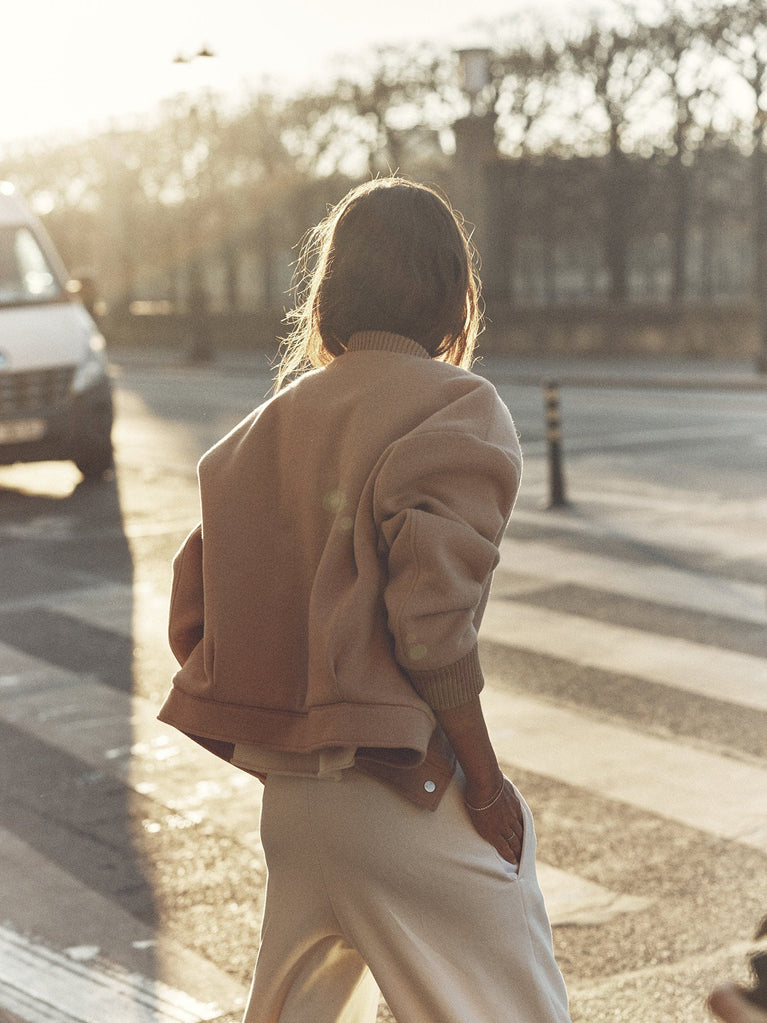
[
  {"x": 652, "y": 519},
  {"x": 46, "y": 986},
  {"x": 114, "y": 732},
  {"x": 571, "y": 899},
  {"x": 715, "y": 794},
  {"x": 546, "y": 564},
  {"x": 681, "y": 664}
]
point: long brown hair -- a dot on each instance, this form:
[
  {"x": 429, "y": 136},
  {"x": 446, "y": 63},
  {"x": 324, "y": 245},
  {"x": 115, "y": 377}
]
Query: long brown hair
[{"x": 391, "y": 255}]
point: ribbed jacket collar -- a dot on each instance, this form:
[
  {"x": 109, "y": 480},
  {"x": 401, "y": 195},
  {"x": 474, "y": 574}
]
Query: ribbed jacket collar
[{"x": 383, "y": 341}]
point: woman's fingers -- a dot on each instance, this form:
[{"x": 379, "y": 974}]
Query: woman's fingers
[{"x": 502, "y": 824}]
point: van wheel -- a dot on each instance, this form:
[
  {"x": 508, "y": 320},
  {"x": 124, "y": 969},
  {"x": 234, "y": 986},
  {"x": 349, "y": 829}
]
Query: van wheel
[{"x": 94, "y": 463}]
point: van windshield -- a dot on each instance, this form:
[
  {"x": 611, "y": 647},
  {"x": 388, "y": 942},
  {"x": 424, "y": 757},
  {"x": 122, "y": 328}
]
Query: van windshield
[{"x": 25, "y": 275}]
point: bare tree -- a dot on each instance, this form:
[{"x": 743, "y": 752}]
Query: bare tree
[
  {"x": 204, "y": 182},
  {"x": 380, "y": 116},
  {"x": 615, "y": 61},
  {"x": 681, "y": 50},
  {"x": 528, "y": 90},
  {"x": 739, "y": 31}
]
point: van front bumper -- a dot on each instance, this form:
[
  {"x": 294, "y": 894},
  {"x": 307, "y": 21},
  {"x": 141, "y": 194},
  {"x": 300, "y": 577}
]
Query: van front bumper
[{"x": 83, "y": 422}]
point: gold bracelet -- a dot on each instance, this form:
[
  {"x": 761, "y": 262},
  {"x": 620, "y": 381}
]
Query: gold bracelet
[{"x": 493, "y": 801}]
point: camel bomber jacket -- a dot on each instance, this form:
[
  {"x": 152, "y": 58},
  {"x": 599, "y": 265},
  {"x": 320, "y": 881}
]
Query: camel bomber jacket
[{"x": 331, "y": 597}]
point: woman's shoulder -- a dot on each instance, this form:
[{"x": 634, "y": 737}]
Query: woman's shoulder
[
  {"x": 479, "y": 391},
  {"x": 458, "y": 402}
]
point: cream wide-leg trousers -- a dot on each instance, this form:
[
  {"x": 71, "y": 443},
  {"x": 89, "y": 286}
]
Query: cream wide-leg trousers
[{"x": 367, "y": 891}]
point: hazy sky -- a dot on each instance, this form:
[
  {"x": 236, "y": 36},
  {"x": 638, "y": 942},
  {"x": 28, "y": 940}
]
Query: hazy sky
[{"x": 71, "y": 64}]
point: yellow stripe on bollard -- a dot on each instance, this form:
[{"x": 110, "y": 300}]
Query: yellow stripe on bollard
[{"x": 557, "y": 496}]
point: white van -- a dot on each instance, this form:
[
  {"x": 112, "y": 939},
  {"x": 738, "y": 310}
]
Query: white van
[{"x": 55, "y": 393}]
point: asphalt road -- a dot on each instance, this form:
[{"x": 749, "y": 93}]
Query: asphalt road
[{"x": 626, "y": 658}]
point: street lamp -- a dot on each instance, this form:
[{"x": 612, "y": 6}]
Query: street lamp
[
  {"x": 182, "y": 58},
  {"x": 197, "y": 304},
  {"x": 474, "y": 73},
  {"x": 475, "y": 157}
]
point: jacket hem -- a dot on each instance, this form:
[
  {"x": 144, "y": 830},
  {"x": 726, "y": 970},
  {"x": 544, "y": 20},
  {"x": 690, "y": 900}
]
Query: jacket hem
[{"x": 407, "y": 729}]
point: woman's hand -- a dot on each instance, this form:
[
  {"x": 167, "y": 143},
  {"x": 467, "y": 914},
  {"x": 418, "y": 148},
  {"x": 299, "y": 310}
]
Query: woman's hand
[
  {"x": 499, "y": 820},
  {"x": 493, "y": 806}
]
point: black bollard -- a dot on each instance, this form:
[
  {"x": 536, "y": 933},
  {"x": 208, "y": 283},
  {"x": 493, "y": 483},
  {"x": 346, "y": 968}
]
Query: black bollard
[
  {"x": 557, "y": 497},
  {"x": 758, "y": 962}
]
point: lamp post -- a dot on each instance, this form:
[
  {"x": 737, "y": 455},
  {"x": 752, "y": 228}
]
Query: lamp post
[
  {"x": 199, "y": 340},
  {"x": 474, "y": 73},
  {"x": 204, "y": 52},
  {"x": 475, "y": 153}
]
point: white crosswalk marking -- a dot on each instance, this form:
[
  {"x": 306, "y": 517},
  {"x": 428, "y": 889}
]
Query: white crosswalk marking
[
  {"x": 51, "y": 987},
  {"x": 640, "y": 514},
  {"x": 718, "y": 795},
  {"x": 696, "y": 668},
  {"x": 121, "y": 969},
  {"x": 546, "y": 564},
  {"x": 116, "y": 735}
]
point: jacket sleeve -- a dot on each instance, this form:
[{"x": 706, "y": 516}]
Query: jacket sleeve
[
  {"x": 443, "y": 499},
  {"x": 187, "y": 605}
]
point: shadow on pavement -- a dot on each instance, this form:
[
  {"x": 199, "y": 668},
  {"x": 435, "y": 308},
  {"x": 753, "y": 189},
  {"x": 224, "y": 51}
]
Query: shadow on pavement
[{"x": 66, "y": 612}]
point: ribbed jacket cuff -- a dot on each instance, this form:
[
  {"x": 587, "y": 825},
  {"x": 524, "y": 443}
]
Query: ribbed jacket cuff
[{"x": 451, "y": 686}]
